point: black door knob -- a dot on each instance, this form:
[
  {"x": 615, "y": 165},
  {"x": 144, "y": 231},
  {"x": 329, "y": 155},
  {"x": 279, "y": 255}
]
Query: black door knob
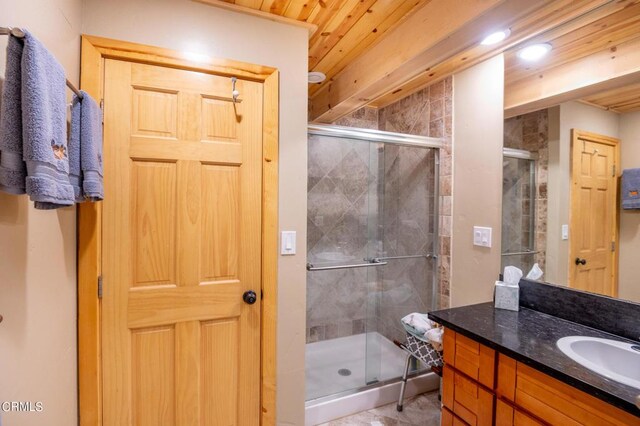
[
  {"x": 581, "y": 261},
  {"x": 249, "y": 297}
]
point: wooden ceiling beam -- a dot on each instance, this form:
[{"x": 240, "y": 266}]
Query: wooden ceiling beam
[
  {"x": 435, "y": 41},
  {"x": 605, "y": 26},
  {"x": 539, "y": 26},
  {"x": 604, "y": 70},
  {"x": 405, "y": 46}
]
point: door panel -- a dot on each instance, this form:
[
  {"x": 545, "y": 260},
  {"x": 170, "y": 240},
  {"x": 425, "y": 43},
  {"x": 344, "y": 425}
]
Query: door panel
[
  {"x": 182, "y": 242},
  {"x": 593, "y": 214}
]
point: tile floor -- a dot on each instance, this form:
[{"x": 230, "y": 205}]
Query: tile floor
[{"x": 422, "y": 410}]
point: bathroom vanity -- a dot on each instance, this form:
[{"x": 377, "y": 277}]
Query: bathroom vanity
[{"x": 505, "y": 368}]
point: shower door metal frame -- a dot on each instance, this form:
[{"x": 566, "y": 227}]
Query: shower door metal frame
[
  {"x": 522, "y": 154},
  {"x": 371, "y": 135},
  {"x": 380, "y": 136}
]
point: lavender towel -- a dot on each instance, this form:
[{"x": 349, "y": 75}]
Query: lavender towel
[
  {"x": 13, "y": 170},
  {"x": 631, "y": 189},
  {"x": 91, "y": 149},
  {"x": 44, "y": 127},
  {"x": 75, "y": 170}
]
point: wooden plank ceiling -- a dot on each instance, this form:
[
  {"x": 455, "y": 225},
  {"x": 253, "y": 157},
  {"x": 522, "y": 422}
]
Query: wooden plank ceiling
[
  {"x": 344, "y": 28},
  {"x": 593, "y": 58},
  {"x": 376, "y": 52},
  {"x": 623, "y": 99},
  {"x": 436, "y": 40}
]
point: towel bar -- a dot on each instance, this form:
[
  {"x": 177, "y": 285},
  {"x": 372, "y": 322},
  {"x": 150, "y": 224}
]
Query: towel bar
[{"x": 17, "y": 32}]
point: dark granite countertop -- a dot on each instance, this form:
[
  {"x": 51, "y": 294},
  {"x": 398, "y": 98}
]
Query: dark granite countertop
[{"x": 530, "y": 337}]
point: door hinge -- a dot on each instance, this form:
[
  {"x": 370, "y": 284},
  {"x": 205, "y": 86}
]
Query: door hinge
[
  {"x": 100, "y": 287},
  {"x": 102, "y": 109},
  {"x": 613, "y": 170},
  {"x": 613, "y": 246}
]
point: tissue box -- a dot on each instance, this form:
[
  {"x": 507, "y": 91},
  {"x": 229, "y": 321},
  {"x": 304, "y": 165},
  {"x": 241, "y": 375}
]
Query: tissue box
[{"x": 507, "y": 296}]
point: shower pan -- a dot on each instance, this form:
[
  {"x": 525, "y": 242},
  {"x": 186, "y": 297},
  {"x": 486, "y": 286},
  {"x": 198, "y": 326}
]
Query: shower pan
[{"x": 372, "y": 259}]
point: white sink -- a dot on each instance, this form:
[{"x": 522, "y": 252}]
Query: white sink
[{"x": 613, "y": 359}]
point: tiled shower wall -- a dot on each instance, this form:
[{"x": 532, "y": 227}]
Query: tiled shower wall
[
  {"x": 530, "y": 132},
  {"x": 517, "y": 217},
  {"x": 338, "y": 220},
  {"x": 429, "y": 112},
  {"x": 339, "y": 302}
]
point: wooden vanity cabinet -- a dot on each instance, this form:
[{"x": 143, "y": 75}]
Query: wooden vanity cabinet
[
  {"x": 553, "y": 401},
  {"x": 468, "y": 379},
  {"x": 482, "y": 387}
]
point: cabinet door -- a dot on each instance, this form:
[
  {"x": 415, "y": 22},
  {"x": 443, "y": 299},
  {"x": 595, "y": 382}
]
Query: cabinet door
[
  {"x": 470, "y": 357},
  {"x": 449, "y": 419},
  {"x": 552, "y": 401},
  {"x": 506, "y": 415},
  {"x": 466, "y": 398}
]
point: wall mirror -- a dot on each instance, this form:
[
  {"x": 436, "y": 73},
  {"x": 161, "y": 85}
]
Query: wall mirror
[
  {"x": 572, "y": 127},
  {"x": 562, "y": 196}
]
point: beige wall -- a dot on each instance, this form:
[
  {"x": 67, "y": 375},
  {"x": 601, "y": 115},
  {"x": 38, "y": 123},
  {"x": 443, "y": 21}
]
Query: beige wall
[
  {"x": 198, "y": 28},
  {"x": 629, "y": 278},
  {"x": 37, "y": 258},
  {"x": 567, "y": 116},
  {"x": 478, "y": 120}
]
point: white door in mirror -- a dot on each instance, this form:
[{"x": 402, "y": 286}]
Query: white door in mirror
[{"x": 616, "y": 360}]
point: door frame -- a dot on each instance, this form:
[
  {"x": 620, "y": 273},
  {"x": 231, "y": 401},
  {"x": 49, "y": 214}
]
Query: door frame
[
  {"x": 94, "y": 52},
  {"x": 576, "y": 136}
]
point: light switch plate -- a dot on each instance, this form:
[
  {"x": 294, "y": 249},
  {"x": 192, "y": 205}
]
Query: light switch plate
[
  {"x": 288, "y": 243},
  {"x": 481, "y": 236},
  {"x": 565, "y": 232}
]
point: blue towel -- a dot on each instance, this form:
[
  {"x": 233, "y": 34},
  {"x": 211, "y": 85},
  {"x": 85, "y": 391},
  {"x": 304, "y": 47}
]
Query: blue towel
[
  {"x": 91, "y": 149},
  {"x": 631, "y": 189},
  {"x": 75, "y": 169},
  {"x": 13, "y": 170},
  {"x": 44, "y": 124}
]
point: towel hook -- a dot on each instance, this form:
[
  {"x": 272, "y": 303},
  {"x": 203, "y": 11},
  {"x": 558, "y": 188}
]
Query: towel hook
[{"x": 234, "y": 92}]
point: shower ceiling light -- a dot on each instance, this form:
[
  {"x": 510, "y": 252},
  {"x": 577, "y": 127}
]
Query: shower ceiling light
[
  {"x": 496, "y": 37},
  {"x": 316, "y": 77},
  {"x": 534, "y": 52}
]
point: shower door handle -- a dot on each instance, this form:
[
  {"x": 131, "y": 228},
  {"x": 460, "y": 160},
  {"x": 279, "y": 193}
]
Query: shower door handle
[
  {"x": 374, "y": 262},
  {"x": 581, "y": 261}
]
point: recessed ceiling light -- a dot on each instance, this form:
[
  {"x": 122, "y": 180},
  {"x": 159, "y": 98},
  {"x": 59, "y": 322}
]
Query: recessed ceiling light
[
  {"x": 534, "y": 52},
  {"x": 496, "y": 37},
  {"x": 316, "y": 77}
]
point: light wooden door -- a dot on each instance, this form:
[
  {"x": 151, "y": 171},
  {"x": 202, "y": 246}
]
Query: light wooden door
[
  {"x": 181, "y": 244},
  {"x": 593, "y": 225}
]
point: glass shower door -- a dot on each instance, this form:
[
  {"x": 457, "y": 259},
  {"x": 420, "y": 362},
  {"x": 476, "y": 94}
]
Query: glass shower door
[
  {"x": 371, "y": 245},
  {"x": 518, "y": 212},
  {"x": 340, "y": 215},
  {"x": 405, "y": 236}
]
